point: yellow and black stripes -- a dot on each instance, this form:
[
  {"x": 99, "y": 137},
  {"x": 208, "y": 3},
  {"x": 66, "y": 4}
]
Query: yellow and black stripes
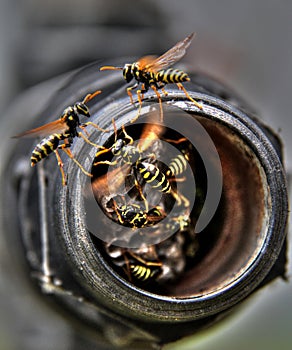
[
  {"x": 127, "y": 72},
  {"x": 154, "y": 72},
  {"x": 131, "y": 71},
  {"x": 135, "y": 217},
  {"x": 170, "y": 76},
  {"x": 129, "y": 154},
  {"x": 122, "y": 149},
  {"x": 154, "y": 176},
  {"x": 132, "y": 215},
  {"x": 143, "y": 273},
  {"x": 166, "y": 76},
  {"x": 81, "y": 108},
  {"x": 46, "y": 147},
  {"x": 177, "y": 165}
]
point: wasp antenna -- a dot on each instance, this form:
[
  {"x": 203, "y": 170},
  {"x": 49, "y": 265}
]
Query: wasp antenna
[
  {"x": 15, "y": 136},
  {"x": 111, "y": 68},
  {"x": 91, "y": 96},
  {"x": 115, "y": 129}
]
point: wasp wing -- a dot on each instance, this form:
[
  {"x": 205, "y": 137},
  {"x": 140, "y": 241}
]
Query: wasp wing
[
  {"x": 111, "y": 183},
  {"x": 151, "y": 132},
  {"x": 146, "y": 61},
  {"x": 156, "y": 218},
  {"x": 56, "y": 127},
  {"x": 170, "y": 57}
]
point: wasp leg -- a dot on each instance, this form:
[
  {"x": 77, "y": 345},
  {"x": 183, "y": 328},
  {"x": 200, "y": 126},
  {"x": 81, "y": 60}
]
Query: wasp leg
[
  {"x": 89, "y": 142},
  {"x": 129, "y": 89},
  {"x": 175, "y": 179},
  {"x": 70, "y": 155},
  {"x": 83, "y": 128},
  {"x": 181, "y": 198},
  {"x": 94, "y": 125},
  {"x": 106, "y": 162},
  {"x": 127, "y": 269},
  {"x": 145, "y": 262},
  {"x": 163, "y": 90},
  {"x": 181, "y": 87},
  {"x": 182, "y": 139},
  {"x": 154, "y": 88},
  {"x": 117, "y": 212},
  {"x": 143, "y": 90},
  {"x": 139, "y": 188},
  {"x": 161, "y": 86},
  {"x": 115, "y": 129},
  {"x": 183, "y": 221},
  {"x": 139, "y": 97},
  {"x": 105, "y": 150},
  {"x": 127, "y": 136},
  {"x": 60, "y": 165}
]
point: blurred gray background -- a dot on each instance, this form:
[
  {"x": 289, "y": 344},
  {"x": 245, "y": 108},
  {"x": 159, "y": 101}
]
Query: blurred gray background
[{"x": 246, "y": 44}]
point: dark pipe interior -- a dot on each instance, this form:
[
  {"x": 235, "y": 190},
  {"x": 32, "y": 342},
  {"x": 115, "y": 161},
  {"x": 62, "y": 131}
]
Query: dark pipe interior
[
  {"x": 233, "y": 238},
  {"x": 230, "y": 242}
]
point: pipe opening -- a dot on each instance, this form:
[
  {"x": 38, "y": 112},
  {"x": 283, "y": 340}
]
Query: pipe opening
[{"x": 187, "y": 263}]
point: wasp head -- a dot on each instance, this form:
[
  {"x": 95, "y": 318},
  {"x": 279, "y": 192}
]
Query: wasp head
[
  {"x": 127, "y": 72},
  {"x": 117, "y": 146},
  {"x": 81, "y": 108}
]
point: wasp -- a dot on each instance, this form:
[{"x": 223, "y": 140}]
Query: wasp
[
  {"x": 133, "y": 161},
  {"x": 153, "y": 176},
  {"x": 145, "y": 272},
  {"x": 134, "y": 216},
  {"x": 137, "y": 160},
  {"x": 123, "y": 148},
  {"x": 127, "y": 155},
  {"x": 142, "y": 269},
  {"x": 152, "y": 72},
  {"x": 63, "y": 129},
  {"x": 161, "y": 181}
]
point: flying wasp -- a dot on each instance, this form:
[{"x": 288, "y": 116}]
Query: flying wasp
[
  {"x": 153, "y": 72},
  {"x": 63, "y": 129}
]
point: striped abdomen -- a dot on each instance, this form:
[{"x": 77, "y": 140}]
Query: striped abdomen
[
  {"x": 170, "y": 75},
  {"x": 143, "y": 273},
  {"x": 46, "y": 147},
  {"x": 154, "y": 177},
  {"x": 177, "y": 165}
]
